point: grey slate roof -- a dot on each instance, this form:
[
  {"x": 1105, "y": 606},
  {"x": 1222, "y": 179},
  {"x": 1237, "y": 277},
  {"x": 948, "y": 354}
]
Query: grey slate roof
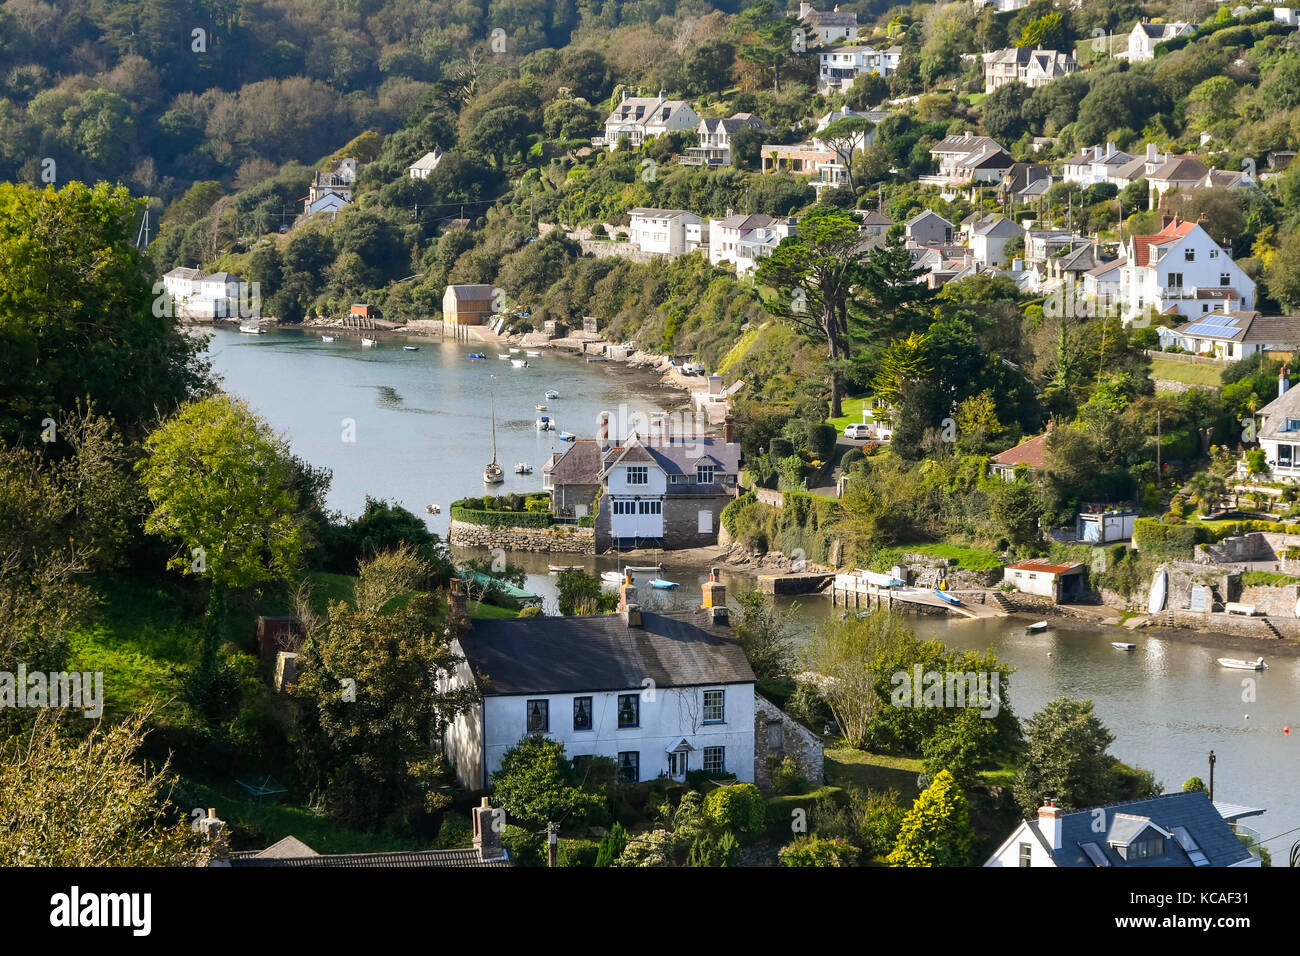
[
  {"x": 579, "y": 465},
  {"x": 1192, "y": 811},
  {"x": 678, "y": 456},
  {"x": 558, "y": 655}
]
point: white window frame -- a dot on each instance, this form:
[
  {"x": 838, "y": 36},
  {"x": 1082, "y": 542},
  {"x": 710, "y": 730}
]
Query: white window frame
[
  {"x": 719, "y": 707},
  {"x": 637, "y": 475},
  {"x": 712, "y": 756}
]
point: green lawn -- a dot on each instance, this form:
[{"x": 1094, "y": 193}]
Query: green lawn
[
  {"x": 967, "y": 558},
  {"x": 1187, "y": 373},
  {"x": 846, "y": 767},
  {"x": 852, "y": 408}
]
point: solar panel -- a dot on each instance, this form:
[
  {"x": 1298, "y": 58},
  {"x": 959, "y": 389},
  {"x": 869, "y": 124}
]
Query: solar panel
[{"x": 1095, "y": 855}]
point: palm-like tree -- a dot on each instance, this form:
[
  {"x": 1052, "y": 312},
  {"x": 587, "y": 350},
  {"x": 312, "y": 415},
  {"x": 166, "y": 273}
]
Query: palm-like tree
[{"x": 1205, "y": 488}]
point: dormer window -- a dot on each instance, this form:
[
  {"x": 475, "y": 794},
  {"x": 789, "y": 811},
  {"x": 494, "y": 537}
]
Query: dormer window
[
  {"x": 1148, "y": 849},
  {"x": 704, "y": 474},
  {"x": 1292, "y": 425}
]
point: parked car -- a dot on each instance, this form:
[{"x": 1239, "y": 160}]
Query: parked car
[
  {"x": 857, "y": 430},
  {"x": 692, "y": 368}
]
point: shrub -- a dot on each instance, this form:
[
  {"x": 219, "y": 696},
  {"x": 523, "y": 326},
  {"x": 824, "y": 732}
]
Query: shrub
[
  {"x": 786, "y": 776},
  {"x": 707, "y": 850},
  {"x": 818, "y": 851},
  {"x": 577, "y": 853},
  {"x": 738, "y": 808},
  {"x": 611, "y": 846},
  {"x": 821, "y": 440},
  {"x": 455, "y": 833},
  {"x": 1167, "y": 540},
  {"x": 851, "y": 458},
  {"x": 780, "y": 448},
  {"x": 533, "y": 611},
  {"x": 525, "y": 848},
  {"x": 699, "y": 779},
  {"x": 728, "y": 517}
]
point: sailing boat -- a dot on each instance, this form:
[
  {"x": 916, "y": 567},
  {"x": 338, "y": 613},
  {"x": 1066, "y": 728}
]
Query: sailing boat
[{"x": 494, "y": 474}]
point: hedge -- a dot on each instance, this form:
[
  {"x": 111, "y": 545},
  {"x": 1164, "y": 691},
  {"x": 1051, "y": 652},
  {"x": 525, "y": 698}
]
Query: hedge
[
  {"x": 780, "y": 810},
  {"x": 729, "y": 511},
  {"x": 500, "y": 519},
  {"x": 1151, "y": 536}
]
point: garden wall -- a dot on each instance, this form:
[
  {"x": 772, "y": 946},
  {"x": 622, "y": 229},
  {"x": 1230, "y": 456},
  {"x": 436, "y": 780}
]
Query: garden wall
[{"x": 563, "y": 539}]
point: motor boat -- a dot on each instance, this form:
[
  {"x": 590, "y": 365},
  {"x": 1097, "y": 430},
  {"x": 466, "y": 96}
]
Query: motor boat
[
  {"x": 514, "y": 351},
  {"x": 534, "y": 354},
  {"x": 251, "y": 328},
  {"x": 523, "y": 468},
  {"x": 1122, "y": 645},
  {"x": 1037, "y": 627},
  {"x": 327, "y": 338},
  {"x": 1233, "y": 663},
  {"x": 544, "y": 424},
  {"x": 519, "y": 363},
  {"x": 540, "y": 408},
  {"x": 612, "y": 577},
  {"x": 552, "y": 394},
  {"x": 432, "y": 509},
  {"x": 477, "y": 355},
  {"x": 410, "y": 348},
  {"x": 557, "y": 568},
  {"x": 663, "y": 585},
  {"x": 502, "y": 355},
  {"x": 367, "y": 341},
  {"x": 568, "y": 436}
]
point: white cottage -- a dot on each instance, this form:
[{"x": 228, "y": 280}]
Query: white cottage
[{"x": 660, "y": 694}]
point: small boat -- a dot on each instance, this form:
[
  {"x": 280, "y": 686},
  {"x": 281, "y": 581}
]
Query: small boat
[
  {"x": 663, "y": 585},
  {"x": 477, "y": 355},
  {"x": 410, "y": 348},
  {"x": 523, "y": 468},
  {"x": 367, "y": 341},
  {"x": 519, "y": 363},
  {"x": 955, "y": 602},
  {"x": 1159, "y": 587},
  {"x": 251, "y": 328},
  {"x": 502, "y": 355},
  {"x": 514, "y": 351},
  {"x": 568, "y": 436},
  {"x": 544, "y": 424},
  {"x": 595, "y": 358},
  {"x": 612, "y": 577},
  {"x": 1037, "y": 627},
  {"x": 433, "y": 509},
  {"x": 644, "y": 567},
  {"x": 557, "y": 568},
  {"x": 1122, "y": 646},
  {"x": 327, "y": 338},
  {"x": 540, "y": 408},
  {"x": 534, "y": 354},
  {"x": 552, "y": 394},
  {"x": 1231, "y": 662}
]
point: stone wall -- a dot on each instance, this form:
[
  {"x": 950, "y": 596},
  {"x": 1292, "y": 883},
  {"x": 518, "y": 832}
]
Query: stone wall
[
  {"x": 796, "y": 741},
  {"x": 563, "y": 539},
  {"x": 1272, "y": 600}
]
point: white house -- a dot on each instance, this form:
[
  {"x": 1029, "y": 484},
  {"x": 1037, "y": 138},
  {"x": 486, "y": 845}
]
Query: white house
[
  {"x": 744, "y": 239},
  {"x": 196, "y": 295},
  {"x": 714, "y": 148},
  {"x": 1188, "y": 173},
  {"x": 642, "y": 118},
  {"x": 659, "y": 694},
  {"x": 1032, "y": 67},
  {"x": 1231, "y": 336},
  {"x": 422, "y": 167},
  {"x": 662, "y": 231},
  {"x": 1095, "y": 165},
  {"x": 182, "y": 284},
  {"x": 989, "y": 239},
  {"x": 1145, "y": 35},
  {"x": 967, "y": 159},
  {"x": 825, "y": 28},
  {"x": 1060, "y": 582},
  {"x": 839, "y": 67},
  {"x": 1175, "y": 829},
  {"x": 1181, "y": 270},
  {"x": 1279, "y": 430},
  {"x": 863, "y": 139}
]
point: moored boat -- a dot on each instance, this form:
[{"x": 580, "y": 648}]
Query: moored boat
[
  {"x": 523, "y": 468},
  {"x": 544, "y": 424},
  {"x": 1122, "y": 645},
  {"x": 1037, "y": 627},
  {"x": 663, "y": 585},
  {"x": 552, "y": 394},
  {"x": 327, "y": 338},
  {"x": 519, "y": 363},
  {"x": 410, "y": 348},
  {"x": 1239, "y": 665},
  {"x": 568, "y": 436},
  {"x": 493, "y": 474},
  {"x": 367, "y": 341},
  {"x": 557, "y": 568}
]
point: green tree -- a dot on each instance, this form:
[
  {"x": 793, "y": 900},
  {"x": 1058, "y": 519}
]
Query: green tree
[
  {"x": 937, "y": 830},
  {"x": 88, "y": 801},
  {"x": 738, "y": 808},
  {"x": 612, "y": 845},
  {"x": 538, "y": 784},
  {"x": 1065, "y": 758},
  {"x": 763, "y": 631},
  {"x": 77, "y": 316},
  {"x": 1046, "y": 32},
  {"x": 220, "y": 482},
  {"x": 813, "y": 274},
  {"x": 1194, "y": 784}
]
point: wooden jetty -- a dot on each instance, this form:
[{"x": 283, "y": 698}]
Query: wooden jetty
[{"x": 855, "y": 592}]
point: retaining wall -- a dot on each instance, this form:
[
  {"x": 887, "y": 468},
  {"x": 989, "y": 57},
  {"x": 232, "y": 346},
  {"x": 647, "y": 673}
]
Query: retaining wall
[{"x": 557, "y": 539}]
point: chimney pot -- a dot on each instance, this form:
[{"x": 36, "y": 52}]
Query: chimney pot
[{"x": 1049, "y": 821}]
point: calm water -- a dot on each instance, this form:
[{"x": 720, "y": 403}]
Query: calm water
[{"x": 422, "y": 435}]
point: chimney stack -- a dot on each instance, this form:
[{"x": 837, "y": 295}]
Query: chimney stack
[
  {"x": 1049, "y": 822},
  {"x": 457, "y": 611},
  {"x": 628, "y": 608},
  {"x": 487, "y": 838},
  {"x": 1283, "y": 381},
  {"x": 604, "y": 426},
  {"x": 729, "y": 429},
  {"x": 715, "y": 598}
]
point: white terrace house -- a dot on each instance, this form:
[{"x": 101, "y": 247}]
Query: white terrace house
[
  {"x": 742, "y": 240},
  {"x": 967, "y": 160},
  {"x": 642, "y": 118},
  {"x": 1095, "y": 165},
  {"x": 665, "y": 232},
  {"x": 1033, "y": 68},
  {"x": 1181, "y": 270},
  {"x": 714, "y": 147},
  {"x": 659, "y": 694},
  {"x": 1145, "y": 36}
]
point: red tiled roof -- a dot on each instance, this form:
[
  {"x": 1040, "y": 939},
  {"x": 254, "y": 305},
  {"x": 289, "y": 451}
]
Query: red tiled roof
[
  {"x": 1174, "y": 229},
  {"x": 1031, "y": 453}
]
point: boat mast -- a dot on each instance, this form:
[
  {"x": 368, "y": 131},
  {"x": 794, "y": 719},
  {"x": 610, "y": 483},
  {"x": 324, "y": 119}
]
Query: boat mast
[{"x": 492, "y": 405}]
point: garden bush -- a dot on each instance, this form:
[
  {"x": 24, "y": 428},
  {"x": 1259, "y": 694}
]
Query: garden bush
[
  {"x": 818, "y": 851},
  {"x": 738, "y": 808}
]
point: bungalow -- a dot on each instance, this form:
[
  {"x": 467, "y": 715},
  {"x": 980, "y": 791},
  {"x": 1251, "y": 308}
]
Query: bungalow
[
  {"x": 422, "y": 167},
  {"x": 1041, "y": 577},
  {"x": 1175, "y": 829},
  {"x": 661, "y": 694},
  {"x": 1231, "y": 336},
  {"x": 642, "y": 118},
  {"x": 468, "y": 304},
  {"x": 1030, "y": 454}
]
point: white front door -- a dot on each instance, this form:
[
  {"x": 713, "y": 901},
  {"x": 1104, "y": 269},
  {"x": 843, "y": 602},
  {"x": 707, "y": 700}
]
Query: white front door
[{"x": 677, "y": 765}]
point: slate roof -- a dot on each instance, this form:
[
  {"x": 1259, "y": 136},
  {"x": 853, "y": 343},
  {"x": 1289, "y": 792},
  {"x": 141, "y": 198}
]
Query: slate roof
[
  {"x": 1001, "y": 228},
  {"x": 1192, "y": 812},
  {"x": 647, "y": 213},
  {"x": 559, "y": 655},
  {"x": 678, "y": 456},
  {"x": 403, "y": 859},
  {"x": 874, "y": 218},
  {"x": 744, "y": 221},
  {"x": 1181, "y": 169},
  {"x": 581, "y": 464},
  {"x": 181, "y": 272},
  {"x": 1274, "y": 415}
]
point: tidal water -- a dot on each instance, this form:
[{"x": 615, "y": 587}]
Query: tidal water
[{"x": 420, "y": 433}]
